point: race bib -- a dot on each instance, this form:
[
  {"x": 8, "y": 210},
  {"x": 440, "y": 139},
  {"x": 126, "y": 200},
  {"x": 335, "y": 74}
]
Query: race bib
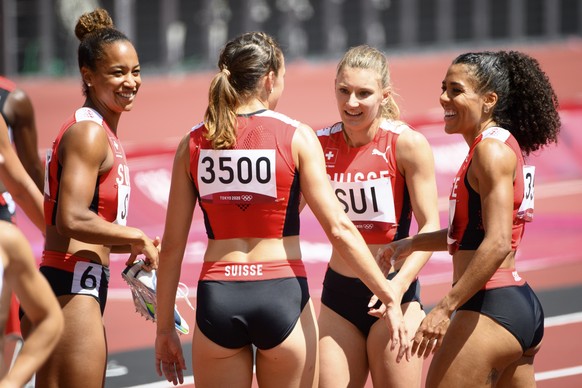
[
  {"x": 86, "y": 278},
  {"x": 237, "y": 176},
  {"x": 48, "y": 158},
  {"x": 122, "y": 204},
  {"x": 123, "y": 190},
  {"x": 526, "y": 209},
  {"x": 370, "y": 200}
]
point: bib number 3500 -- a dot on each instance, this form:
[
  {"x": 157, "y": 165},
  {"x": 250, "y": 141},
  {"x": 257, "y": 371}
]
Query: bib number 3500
[{"x": 250, "y": 171}]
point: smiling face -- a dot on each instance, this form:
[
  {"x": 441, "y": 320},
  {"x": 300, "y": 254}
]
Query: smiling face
[
  {"x": 359, "y": 96},
  {"x": 463, "y": 107},
  {"x": 114, "y": 83}
]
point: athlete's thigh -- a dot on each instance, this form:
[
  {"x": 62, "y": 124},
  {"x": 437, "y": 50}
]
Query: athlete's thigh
[
  {"x": 384, "y": 369},
  {"x": 217, "y": 366},
  {"x": 294, "y": 362},
  {"x": 475, "y": 349},
  {"x": 519, "y": 374},
  {"x": 343, "y": 360},
  {"x": 80, "y": 357}
]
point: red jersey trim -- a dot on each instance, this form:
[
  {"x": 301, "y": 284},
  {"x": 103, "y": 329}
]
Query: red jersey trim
[
  {"x": 504, "y": 277},
  {"x": 266, "y": 270},
  {"x": 61, "y": 260}
]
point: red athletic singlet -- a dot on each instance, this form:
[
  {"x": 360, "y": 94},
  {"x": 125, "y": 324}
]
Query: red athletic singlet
[
  {"x": 367, "y": 182},
  {"x": 251, "y": 190},
  {"x": 111, "y": 198},
  {"x": 466, "y": 230}
]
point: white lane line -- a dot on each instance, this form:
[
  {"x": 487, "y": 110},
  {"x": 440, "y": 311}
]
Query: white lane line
[
  {"x": 557, "y": 373},
  {"x": 561, "y": 320},
  {"x": 164, "y": 384}
]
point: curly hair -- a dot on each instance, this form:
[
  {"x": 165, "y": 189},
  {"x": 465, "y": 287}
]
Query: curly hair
[
  {"x": 366, "y": 57},
  {"x": 242, "y": 63},
  {"x": 95, "y": 31},
  {"x": 527, "y": 105}
]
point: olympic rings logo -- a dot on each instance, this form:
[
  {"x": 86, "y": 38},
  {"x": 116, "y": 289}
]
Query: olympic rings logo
[{"x": 246, "y": 198}]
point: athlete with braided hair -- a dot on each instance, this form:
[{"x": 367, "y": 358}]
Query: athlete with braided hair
[{"x": 248, "y": 166}]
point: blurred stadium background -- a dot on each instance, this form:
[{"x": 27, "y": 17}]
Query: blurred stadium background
[
  {"x": 36, "y": 36},
  {"x": 178, "y": 42}
]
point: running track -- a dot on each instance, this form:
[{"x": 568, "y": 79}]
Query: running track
[{"x": 168, "y": 106}]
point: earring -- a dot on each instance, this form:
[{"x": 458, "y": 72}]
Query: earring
[
  {"x": 486, "y": 110},
  {"x": 271, "y": 91}
]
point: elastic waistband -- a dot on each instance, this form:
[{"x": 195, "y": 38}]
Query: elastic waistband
[
  {"x": 265, "y": 270},
  {"x": 61, "y": 260},
  {"x": 504, "y": 277}
]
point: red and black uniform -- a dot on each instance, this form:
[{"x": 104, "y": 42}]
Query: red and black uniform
[
  {"x": 373, "y": 192},
  {"x": 506, "y": 297},
  {"x": 249, "y": 191},
  {"x": 466, "y": 230},
  {"x": 68, "y": 273},
  {"x": 111, "y": 197}
]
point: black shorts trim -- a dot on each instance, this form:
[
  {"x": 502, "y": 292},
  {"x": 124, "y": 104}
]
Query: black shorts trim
[
  {"x": 516, "y": 308},
  {"x": 234, "y": 314},
  {"x": 61, "y": 282}
]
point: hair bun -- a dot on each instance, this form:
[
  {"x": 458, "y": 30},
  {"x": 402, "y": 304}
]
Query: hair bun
[{"x": 92, "y": 21}]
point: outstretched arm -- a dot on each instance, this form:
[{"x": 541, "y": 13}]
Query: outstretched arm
[
  {"x": 37, "y": 300},
  {"x": 416, "y": 162},
  {"x": 84, "y": 155},
  {"x": 18, "y": 183},
  {"x": 341, "y": 231},
  {"x": 181, "y": 203},
  {"x": 20, "y": 110}
]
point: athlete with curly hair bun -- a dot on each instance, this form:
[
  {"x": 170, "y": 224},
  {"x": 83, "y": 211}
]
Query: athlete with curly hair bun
[{"x": 86, "y": 199}]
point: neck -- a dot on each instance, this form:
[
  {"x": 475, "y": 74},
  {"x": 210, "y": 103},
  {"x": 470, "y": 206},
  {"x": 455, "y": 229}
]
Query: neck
[
  {"x": 358, "y": 138},
  {"x": 253, "y": 105},
  {"x": 111, "y": 118}
]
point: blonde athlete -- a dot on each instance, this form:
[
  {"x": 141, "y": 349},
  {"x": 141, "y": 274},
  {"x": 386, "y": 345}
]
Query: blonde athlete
[{"x": 382, "y": 172}]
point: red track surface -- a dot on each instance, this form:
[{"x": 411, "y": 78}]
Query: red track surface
[{"x": 168, "y": 106}]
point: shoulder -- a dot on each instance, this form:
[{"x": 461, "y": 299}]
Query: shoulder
[
  {"x": 492, "y": 155},
  {"x": 329, "y": 131},
  {"x": 408, "y": 138},
  {"x": 279, "y": 116},
  {"x": 84, "y": 132},
  {"x": 88, "y": 114}
]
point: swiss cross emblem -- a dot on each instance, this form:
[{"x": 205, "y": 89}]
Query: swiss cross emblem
[{"x": 330, "y": 155}]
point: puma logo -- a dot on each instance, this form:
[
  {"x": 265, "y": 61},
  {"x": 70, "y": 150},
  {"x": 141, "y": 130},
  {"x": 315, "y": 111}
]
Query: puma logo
[{"x": 382, "y": 154}]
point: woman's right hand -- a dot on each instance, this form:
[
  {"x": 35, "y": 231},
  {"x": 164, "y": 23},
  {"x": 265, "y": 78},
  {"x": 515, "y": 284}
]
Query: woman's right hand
[
  {"x": 170, "y": 361},
  {"x": 393, "y": 252},
  {"x": 398, "y": 331},
  {"x": 150, "y": 249}
]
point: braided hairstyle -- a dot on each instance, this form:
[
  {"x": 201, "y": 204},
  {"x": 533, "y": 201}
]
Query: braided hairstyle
[
  {"x": 95, "y": 31},
  {"x": 527, "y": 105},
  {"x": 242, "y": 62}
]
